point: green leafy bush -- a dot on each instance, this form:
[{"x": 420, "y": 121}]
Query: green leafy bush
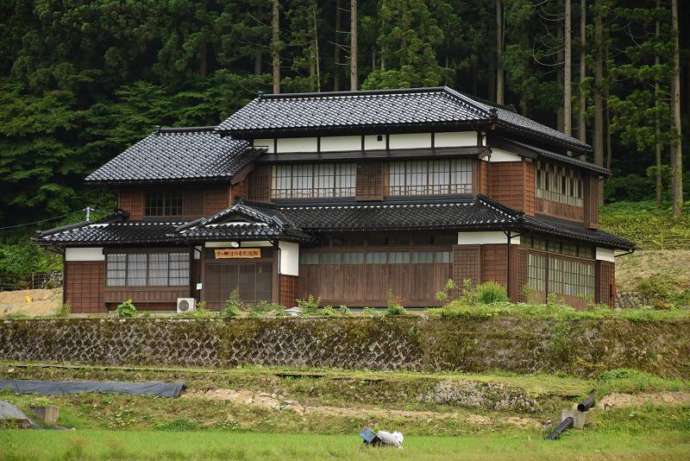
[
  {"x": 309, "y": 306},
  {"x": 233, "y": 305},
  {"x": 127, "y": 309},
  {"x": 394, "y": 307},
  {"x": 491, "y": 293}
]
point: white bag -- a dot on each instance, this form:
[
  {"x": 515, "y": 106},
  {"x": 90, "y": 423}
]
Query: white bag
[{"x": 388, "y": 438}]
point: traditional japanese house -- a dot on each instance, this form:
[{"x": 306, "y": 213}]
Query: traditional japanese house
[{"x": 350, "y": 197}]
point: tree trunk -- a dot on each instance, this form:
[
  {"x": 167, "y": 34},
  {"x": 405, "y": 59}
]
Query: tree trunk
[
  {"x": 676, "y": 142},
  {"x": 598, "y": 85},
  {"x": 657, "y": 129},
  {"x": 315, "y": 48},
  {"x": 499, "y": 52},
  {"x": 258, "y": 61},
  {"x": 336, "y": 49},
  {"x": 203, "y": 55},
  {"x": 582, "y": 119},
  {"x": 275, "y": 46},
  {"x": 353, "y": 46},
  {"x": 567, "y": 71}
]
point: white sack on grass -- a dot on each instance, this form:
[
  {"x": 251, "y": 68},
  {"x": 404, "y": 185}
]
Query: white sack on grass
[{"x": 388, "y": 438}]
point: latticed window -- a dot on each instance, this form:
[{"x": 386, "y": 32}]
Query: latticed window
[
  {"x": 559, "y": 184},
  {"x": 167, "y": 203},
  {"x": 312, "y": 180},
  {"x": 147, "y": 269},
  {"x": 561, "y": 267},
  {"x": 430, "y": 177}
]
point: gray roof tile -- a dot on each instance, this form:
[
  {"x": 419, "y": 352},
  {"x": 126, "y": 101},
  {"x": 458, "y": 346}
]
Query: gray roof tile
[
  {"x": 177, "y": 154},
  {"x": 418, "y": 107}
]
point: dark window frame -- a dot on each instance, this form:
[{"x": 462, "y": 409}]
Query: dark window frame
[
  {"x": 163, "y": 203},
  {"x": 134, "y": 275}
]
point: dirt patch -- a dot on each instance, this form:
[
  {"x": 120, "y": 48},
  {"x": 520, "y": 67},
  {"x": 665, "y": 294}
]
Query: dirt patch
[
  {"x": 619, "y": 400},
  {"x": 30, "y": 302},
  {"x": 277, "y": 403}
]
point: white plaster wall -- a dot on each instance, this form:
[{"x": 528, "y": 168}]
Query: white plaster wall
[
  {"x": 371, "y": 142},
  {"x": 485, "y": 238},
  {"x": 289, "y": 258},
  {"x": 84, "y": 254},
  {"x": 502, "y": 155},
  {"x": 455, "y": 139},
  {"x": 267, "y": 143},
  {"x": 221, "y": 244},
  {"x": 341, "y": 143},
  {"x": 410, "y": 141},
  {"x": 286, "y": 145},
  {"x": 606, "y": 254}
]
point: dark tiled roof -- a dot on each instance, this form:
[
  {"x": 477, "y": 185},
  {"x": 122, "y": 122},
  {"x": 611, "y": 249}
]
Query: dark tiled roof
[
  {"x": 113, "y": 232},
  {"x": 467, "y": 213},
  {"x": 244, "y": 221},
  {"x": 177, "y": 154},
  {"x": 571, "y": 230},
  {"x": 253, "y": 221},
  {"x": 418, "y": 107}
]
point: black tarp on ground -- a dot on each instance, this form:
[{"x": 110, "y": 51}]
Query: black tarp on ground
[{"x": 21, "y": 386}]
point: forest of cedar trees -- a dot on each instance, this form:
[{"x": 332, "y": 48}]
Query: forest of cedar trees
[{"x": 83, "y": 79}]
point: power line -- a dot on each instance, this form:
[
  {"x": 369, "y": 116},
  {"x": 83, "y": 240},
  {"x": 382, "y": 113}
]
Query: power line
[{"x": 54, "y": 218}]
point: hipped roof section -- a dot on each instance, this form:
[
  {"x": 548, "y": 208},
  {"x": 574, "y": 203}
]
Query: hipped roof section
[
  {"x": 177, "y": 154},
  {"x": 435, "y": 108}
]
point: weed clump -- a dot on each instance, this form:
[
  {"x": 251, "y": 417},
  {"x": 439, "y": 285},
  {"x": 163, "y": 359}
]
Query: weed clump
[{"x": 126, "y": 310}]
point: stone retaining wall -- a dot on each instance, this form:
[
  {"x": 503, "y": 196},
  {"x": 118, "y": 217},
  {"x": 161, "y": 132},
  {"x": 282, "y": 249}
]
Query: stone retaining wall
[{"x": 580, "y": 347}]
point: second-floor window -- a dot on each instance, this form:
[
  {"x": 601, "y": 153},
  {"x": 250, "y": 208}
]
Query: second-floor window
[
  {"x": 559, "y": 184},
  {"x": 313, "y": 180},
  {"x": 430, "y": 177},
  {"x": 168, "y": 203}
]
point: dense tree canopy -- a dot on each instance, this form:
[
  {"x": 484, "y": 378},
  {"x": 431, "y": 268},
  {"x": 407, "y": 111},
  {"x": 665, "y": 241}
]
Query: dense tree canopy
[{"x": 80, "y": 80}]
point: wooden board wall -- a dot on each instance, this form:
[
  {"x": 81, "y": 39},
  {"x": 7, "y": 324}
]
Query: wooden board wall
[
  {"x": 84, "y": 283},
  {"x": 513, "y": 185}
]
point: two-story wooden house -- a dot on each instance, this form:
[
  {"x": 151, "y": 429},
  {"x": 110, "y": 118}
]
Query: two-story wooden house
[{"x": 350, "y": 197}]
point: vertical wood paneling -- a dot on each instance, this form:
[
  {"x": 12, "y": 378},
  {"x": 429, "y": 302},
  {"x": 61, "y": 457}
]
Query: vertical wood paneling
[
  {"x": 259, "y": 184},
  {"x": 288, "y": 290},
  {"x": 84, "y": 284},
  {"x": 494, "y": 263},
  {"x": 215, "y": 199},
  {"x": 132, "y": 201},
  {"x": 370, "y": 181},
  {"x": 591, "y": 201},
  {"x": 467, "y": 264},
  {"x": 507, "y": 184},
  {"x": 605, "y": 284},
  {"x": 530, "y": 185}
]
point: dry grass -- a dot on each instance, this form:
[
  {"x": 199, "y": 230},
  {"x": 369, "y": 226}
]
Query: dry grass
[
  {"x": 32, "y": 303},
  {"x": 633, "y": 268}
]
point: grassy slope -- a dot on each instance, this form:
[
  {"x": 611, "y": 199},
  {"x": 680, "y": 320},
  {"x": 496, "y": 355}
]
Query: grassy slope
[{"x": 667, "y": 445}]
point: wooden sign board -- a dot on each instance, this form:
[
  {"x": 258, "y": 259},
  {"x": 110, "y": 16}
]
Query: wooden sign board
[{"x": 237, "y": 253}]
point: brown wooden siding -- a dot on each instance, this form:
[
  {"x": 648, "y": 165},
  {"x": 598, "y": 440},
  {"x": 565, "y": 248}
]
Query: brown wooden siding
[
  {"x": 288, "y": 290},
  {"x": 518, "y": 273},
  {"x": 481, "y": 177},
  {"x": 494, "y": 263},
  {"x": 559, "y": 210},
  {"x": 259, "y": 184},
  {"x": 131, "y": 201},
  {"x": 370, "y": 184},
  {"x": 84, "y": 282},
  {"x": 146, "y": 295},
  {"x": 216, "y": 199},
  {"x": 372, "y": 284},
  {"x": 512, "y": 184},
  {"x": 591, "y": 201},
  {"x": 605, "y": 291},
  {"x": 466, "y": 264}
]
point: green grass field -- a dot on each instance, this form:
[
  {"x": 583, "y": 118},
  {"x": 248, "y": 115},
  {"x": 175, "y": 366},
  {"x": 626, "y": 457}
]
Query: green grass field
[{"x": 78, "y": 445}]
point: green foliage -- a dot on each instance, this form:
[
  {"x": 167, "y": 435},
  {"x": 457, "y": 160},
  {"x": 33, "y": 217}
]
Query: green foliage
[
  {"x": 127, "y": 309},
  {"x": 444, "y": 295},
  {"x": 393, "y": 306},
  {"x": 63, "y": 311},
  {"x": 662, "y": 291},
  {"x": 630, "y": 380},
  {"x": 646, "y": 225},
  {"x": 178, "y": 425},
  {"x": 233, "y": 305},
  {"x": 491, "y": 293},
  {"x": 310, "y": 305}
]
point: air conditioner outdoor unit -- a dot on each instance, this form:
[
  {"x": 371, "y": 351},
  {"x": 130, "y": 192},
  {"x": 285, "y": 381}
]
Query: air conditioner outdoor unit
[{"x": 185, "y": 305}]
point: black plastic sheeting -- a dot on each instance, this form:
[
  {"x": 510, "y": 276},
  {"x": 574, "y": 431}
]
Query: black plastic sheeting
[{"x": 21, "y": 386}]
